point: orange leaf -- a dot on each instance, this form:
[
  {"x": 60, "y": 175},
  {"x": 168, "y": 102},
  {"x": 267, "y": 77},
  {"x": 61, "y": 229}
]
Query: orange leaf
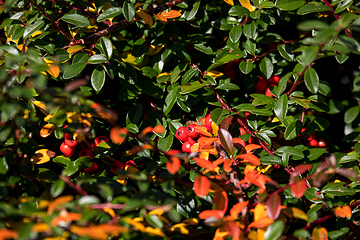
[
  {"x": 65, "y": 217},
  {"x": 343, "y": 211},
  {"x": 218, "y": 162},
  {"x": 173, "y": 165},
  {"x": 273, "y": 206},
  {"x": 220, "y": 200},
  {"x": 239, "y": 141},
  {"x": 47, "y": 130},
  {"x": 251, "y": 147},
  {"x": 257, "y": 179},
  {"x": 211, "y": 213},
  {"x": 263, "y": 222},
  {"x": 203, "y": 131},
  {"x": 57, "y": 202},
  {"x": 171, "y": 14},
  {"x": 158, "y": 129},
  {"x": 249, "y": 158},
  {"x": 298, "y": 188},
  {"x": 118, "y": 134},
  {"x": 53, "y": 70},
  {"x": 7, "y": 233},
  {"x": 147, "y": 18},
  {"x": 319, "y": 233},
  {"x": 231, "y": 2},
  {"x": 204, "y": 141},
  {"x": 237, "y": 208},
  {"x": 146, "y": 130},
  {"x": 210, "y": 149},
  {"x": 201, "y": 186},
  {"x": 204, "y": 164},
  {"x": 227, "y": 165}
]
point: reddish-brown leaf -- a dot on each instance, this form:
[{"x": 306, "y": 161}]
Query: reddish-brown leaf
[
  {"x": 204, "y": 164},
  {"x": 211, "y": 213},
  {"x": 273, "y": 206},
  {"x": 298, "y": 188},
  {"x": 237, "y": 208},
  {"x": 343, "y": 211},
  {"x": 220, "y": 200},
  {"x": 173, "y": 165},
  {"x": 201, "y": 186},
  {"x": 249, "y": 158},
  {"x": 226, "y": 141},
  {"x": 301, "y": 169}
]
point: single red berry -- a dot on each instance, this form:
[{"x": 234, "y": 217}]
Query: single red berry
[
  {"x": 191, "y": 132},
  {"x": 228, "y": 66},
  {"x": 181, "y": 134},
  {"x": 69, "y": 140},
  {"x": 237, "y": 61},
  {"x": 130, "y": 163},
  {"x": 100, "y": 139},
  {"x": 208, "y": 120},
  {"x": 186, "y": 147},
  {"x": 261, "y": 84},
  {"x": 92, "y": 169},
  {"x": 116, "y": 165},
  {"x": 86, "y": 153},
  {"x": 313, "y": 142},
  {"x": 274, "y": 80},
  {"x": 322, "y": 143},
  {"x": 66, "y": 150},
  {"x": 268, "y": 93}
]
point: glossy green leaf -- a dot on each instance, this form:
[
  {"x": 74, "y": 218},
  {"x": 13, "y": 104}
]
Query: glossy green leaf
[
  {"x": 204, "y": 49},
  {"x": 308, "y": 55},
  {"x": 281, "y": 107},
  {"x": 128, "y": 10},
  {"x": 311, "y": 80},
  {"x": 228, "y": 86},
  {"x": 337, "y": 189},
  {"x": 238, "y": 11},
  {"x": 191, "y": 87},
  {"x": 275, "y": 230},
  {"x": 97, "y": 59},
  {"x": 57, "y": 188},
  {"x": 292, "y": 151},
  {"x": 266, "y": 67},
  {"x": 98, "y": 78},
  {"x": 343, "y": 5},
  {"x": 313, "y": 7},
  {"x": 76, "y": 19},
  {"x": 109, "y": 13},
  {"x": 246, "y": 66},
  {"x": 193, "y": 11},
  {"x": 170, "y": 100},
  {"x": 351, "y": 114},
  {"x": 235, "y": 33},
  {"x": 107, "y": 47},
  {"x": 286, "y": 52},
  {"x": 164, "y": 144},
  {"x": 73, "y": 70},
  {"x": 32, "y": 28},
  {"x": 249, "y": 29},
  {"x": 188, "y": 75},
  {"x": 293, "y": 130},
  {"x": 289, "y": 5}
]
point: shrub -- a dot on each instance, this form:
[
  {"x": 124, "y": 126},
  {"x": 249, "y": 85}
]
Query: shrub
[{"x": 180, "y": 119}]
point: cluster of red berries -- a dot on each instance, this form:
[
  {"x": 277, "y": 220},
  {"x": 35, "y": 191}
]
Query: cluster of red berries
[
  {"x": 314, "y": 142},
  {"x": 263, "y": 85},
  {"x": 189, "y": 133}
]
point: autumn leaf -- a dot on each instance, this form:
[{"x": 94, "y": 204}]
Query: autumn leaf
[
  {"x": 201, "y": 186},
  {"x": 263, "y": 222},
  {"x": 237, "y": 208},
  {"x": 173, "y": 165},
  {"x": 300, "y": 169},
  {"x": 203, "y": 131},
  {"x": 8, "y": 234},
  {"x": 204, "y": 141},
  {"x": 251, "y": 147},
  {"x": 298, "y": 188},
  {"x": 66, "y": 217},
  {"x": 257, "y": 179},
  {"x": 171, "y": 14},
  {"x": 239, "y": 141},
  {"x": 158, "y": 129},
  {"x": 247, "y": 4},
  {"x": 211, "y": 213},
  {"x": 231, "y": 2},
  {"x": 249, "y": 158},
  {"x": 204, "y": 164},
  {"x": 343, "y": 211},
  {"x": 221, "y": 201},
  {"x": 47, "y": 130},
  {"x": 59, "y": 201},
  {"x": 118, "y": 134},
  {"x": 53, "y": 70},
  {"x": 147, "y": 18},
  {"x": 42, "y": 156},
  {"x": 273, "y": 206},
  {"x": 319, "y": 233}
]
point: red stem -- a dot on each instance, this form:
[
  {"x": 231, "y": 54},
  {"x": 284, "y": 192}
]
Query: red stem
[{"x": 73, "y": 185}]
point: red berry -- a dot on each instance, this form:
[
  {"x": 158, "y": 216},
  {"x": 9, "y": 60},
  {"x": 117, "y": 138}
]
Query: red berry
[
  {"x": 313, "y": 142},
  {"x": 130, "y": 163},
  {"x": 237, "y": 61},
  {"x": 116, "y": 165},
  {"x": 208, "y": 120},
  {"x": 268, "y": 93},
  {"x": 261, "y": 84},
  {"x": 181, "y": 134},
  {"x": 191, "y": 141},
  {"x": 274, "y": 80},
  {"x": 228, "y": 66},
  {"x": 100, "y": 139},
  {"x": 92, "y": 169},
  {"x": 322, "y": 143},
  {"x": 186, "y": 147},
  {"x": 66, "y": 150},
  {"x": 230, "y": 73},
  {"x": 68, "y": 140},
  {"x": 86, "y": 153},
  {"x": 191, "y": 132}
]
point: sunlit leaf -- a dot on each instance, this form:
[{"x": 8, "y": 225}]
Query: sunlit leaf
[
  {"x": 58, "y": 202},
  {"x": 343, "y": 211},
  {"x": 319, "y": 233},
  {"x": 47, "y": 130},
  {"x": 201, "y": 186},
  {"x": 237, "y": 208},
  {"x": 173, "y": 165},
  {"x": 42, "y": 156},
  {"x": 249, "y": 158}
]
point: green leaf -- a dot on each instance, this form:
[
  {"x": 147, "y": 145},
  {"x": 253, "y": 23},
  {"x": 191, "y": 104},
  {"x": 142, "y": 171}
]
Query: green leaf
[
  {"x": 249, "y": 30},
  {"x": 32, "y": 28},
  {"x": 286, "y": 52},
  {"x": 266, "y": 160},
  {"x": 235, "y": 33},
  {"x": 188, "y": 75},
  {"x": 98, "y": 78},
  {"x": 306, "y": 103},
  {"x": 154, "y": 221},
  {"x": 135, "y": 114},
  {"x": 128, "y": 10},
  {"x": 97, "y": 59},
  {"x": 170, "y": 100},
  {"x": 266, "y": 67},
  {"x": 351, "y": 114},
  {"x": 149, "y": 72},
  {"x": 193, "y": 11},
  {"x": 289, "y": 5},
  {"x": 261, "y": 99},
  {"x": 337, "y": 189},
  {"x": 57, "y": 188},
  {"x": 313, "y": 7},
  {"x": 217, "y": 115},
  {"x": 107, "y": 47},
  {"x": 76, "y": 19},
  {"x": 62, "y": 160},
  {"x": 228, "y": 86},
  {"x": 246, "y": 66},
  {"x": 311, "y": 80},
  {"x": 202, "y": 48},
  {"x": 281, "y": 107},
  {"x": 238, "y": 11},
  {"x": 164, "y": 144},
  {"x": 293, "y": 130},
  {"x": 315, "y": 153},
  {"x": 250, "y": 46},
  {"x": 294, "y": 152},
  {"x": 274, "y": 231},
  {"x": 191, "y": 87},
  {"x": 343, "y": 5},
  {"x": 73, "y": 70},
  {"x": 308, "y": 55},
  {"x": 70, "y": 169},
  {"x": 109, "y": 13}
]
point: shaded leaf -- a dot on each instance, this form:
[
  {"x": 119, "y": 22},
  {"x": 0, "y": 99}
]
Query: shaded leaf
[
  {"x": 273, "y": 206},
  {"x": 76, "y": 19},
  {"x": 298, "y": 188},
  {"x": 226, "y": 141}
]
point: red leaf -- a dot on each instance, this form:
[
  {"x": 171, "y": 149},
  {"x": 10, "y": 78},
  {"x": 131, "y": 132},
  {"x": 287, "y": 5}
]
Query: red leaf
[
  {"x": 239, "y": 141},
  {"x": 201, "y": 186},
  {"x": 301, "y": 169},
  {"x": 237, "y": 208},
  {"x": 205, "y": 141},
  {"x": 226, "y": 141},
  {"x": 249, "y": 158},
  {"x": 204, "y": 164},
  {"x": 225, "y": 123},
  {"x": 298, "y": 188},
  {"x": 233, "y": 229},
  {"x": 173, "y": 165},
  {"x": 273, "y": 206},
  {"x": 227, "y": 165},
  {"x": 211, "y": 213}
]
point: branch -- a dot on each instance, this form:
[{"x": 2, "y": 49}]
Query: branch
[
  {"x": 93, "y": 38},
  {"x": 51, "y": 20},
  {"x": 77, "y": 188}
]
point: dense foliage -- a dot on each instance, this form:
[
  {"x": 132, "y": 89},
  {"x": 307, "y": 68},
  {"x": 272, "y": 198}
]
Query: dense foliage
[{"x": 143, "y": 119}]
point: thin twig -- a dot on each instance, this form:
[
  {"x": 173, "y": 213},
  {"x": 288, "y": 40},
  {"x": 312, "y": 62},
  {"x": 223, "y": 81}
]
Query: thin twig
[{"x": 77, "y": 188}]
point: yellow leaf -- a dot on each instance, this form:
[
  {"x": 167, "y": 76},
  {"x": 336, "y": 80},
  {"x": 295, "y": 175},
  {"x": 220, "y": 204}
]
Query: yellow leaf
[
  {"x": 155, "y": 49},
  {"x": 299, "y": 214},
  {"x": 247, "y": 4},
  {"x": 128, "y": 57},
  {"x": 214, "y": 74},
  {"x": 74, "y": 48},
  {"x": 53, "y": 70},
  {"x": 40, "y": 227},
  {"x": 231, "y": 2},
  {"x": 157, "y": 212},
  {"x": 36, "y": 33},
  {"x": 42, "y": 156},
  {"x": 154, "y": 231},
  {"x": 147, "y": 18},
  {"x": 47, "y": 130},
  {"x": 40, "y": 105}
]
